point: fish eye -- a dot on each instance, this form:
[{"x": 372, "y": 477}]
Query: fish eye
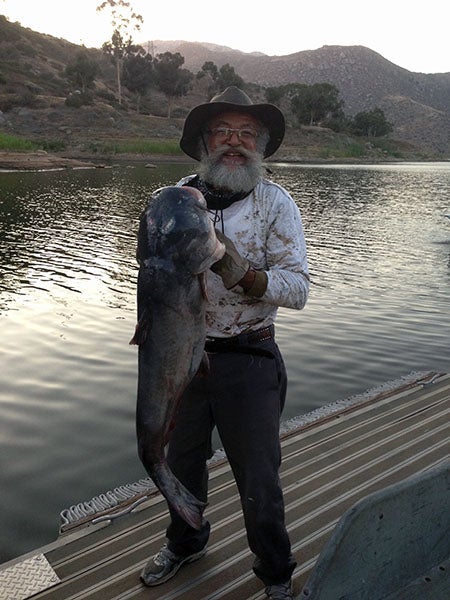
[{"x": 167, "y": 227}]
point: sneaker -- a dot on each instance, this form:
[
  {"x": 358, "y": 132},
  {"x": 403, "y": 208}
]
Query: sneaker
[
  {"x": 165, "y": 565},
  {"x": 280, "y": 591}
]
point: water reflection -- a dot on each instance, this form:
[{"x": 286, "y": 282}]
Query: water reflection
[
  {"x": 371, "y": 222},
  {"x": 379, "y": 255},
  {"x": 63, "y": 228}
]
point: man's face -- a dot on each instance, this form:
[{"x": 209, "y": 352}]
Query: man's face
[
  {"x": 233, "y": 133},
  {"x": 233, "y": 160}
]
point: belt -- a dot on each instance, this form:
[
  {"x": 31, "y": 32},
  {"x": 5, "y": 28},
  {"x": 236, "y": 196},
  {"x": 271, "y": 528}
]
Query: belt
[{"x": 237, "y": 341}]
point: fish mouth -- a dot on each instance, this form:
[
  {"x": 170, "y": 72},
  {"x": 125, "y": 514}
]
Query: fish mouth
[{"x": 196, "y": 193}]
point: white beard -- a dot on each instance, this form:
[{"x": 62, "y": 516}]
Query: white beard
[{"x": 233, "y": 179}]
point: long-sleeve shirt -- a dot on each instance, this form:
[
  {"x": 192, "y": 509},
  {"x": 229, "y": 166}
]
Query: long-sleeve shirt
[{"x": 266, "y": 228}]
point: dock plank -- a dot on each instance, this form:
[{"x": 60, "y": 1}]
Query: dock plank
[{"x": 327, "y": 466}]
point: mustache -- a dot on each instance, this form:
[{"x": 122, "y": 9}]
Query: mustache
[
  {"x": 239, "y": 179},
  {"x": 218, "y": 152}
]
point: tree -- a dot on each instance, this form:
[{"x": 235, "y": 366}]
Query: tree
[
  {"x": 211, "y": 72},
  {"x": 171, "y": 79},
  {"x": 313, "y": 104},
  {"x": 274, "y": 95},
  {"x": 138, "y": 73},
  {"x": 300, "y": 104},
  {"x": 123, "y": 19},
  {"x": 209, "y": 68},
  {"x": 82, "y": 71},
  {"x": 228, "y": 76},
  {"x": 371, "y": 123},
  {"x": 221, "y": 78}
]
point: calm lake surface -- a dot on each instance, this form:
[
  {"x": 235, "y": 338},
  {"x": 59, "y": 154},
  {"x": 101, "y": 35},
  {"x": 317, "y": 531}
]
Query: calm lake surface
[{"x": 379, "y": 308}]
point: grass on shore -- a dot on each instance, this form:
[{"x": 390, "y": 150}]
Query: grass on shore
[
  {"x": 339, "y": 149},
  {"x": 11, "y": 142},
  {"x": 360, "y": 149},
  {"x": 167, "y": 147}
]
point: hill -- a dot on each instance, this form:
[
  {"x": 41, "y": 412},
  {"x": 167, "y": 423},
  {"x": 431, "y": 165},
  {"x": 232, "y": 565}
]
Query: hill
[
  {"x": 417, "y": 104},
  {"x": 33, "y": 90}
]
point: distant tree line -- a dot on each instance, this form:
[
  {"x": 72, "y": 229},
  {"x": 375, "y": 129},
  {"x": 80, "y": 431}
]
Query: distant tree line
[
  {"x": 319, "y": 104},
  {"x": 139, "y": 72}
]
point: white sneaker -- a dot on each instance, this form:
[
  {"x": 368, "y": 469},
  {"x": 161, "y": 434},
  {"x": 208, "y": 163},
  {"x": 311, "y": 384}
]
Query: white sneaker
[
  {"x": 280, "y": 591},
  {"x": 165, "y": 565}
]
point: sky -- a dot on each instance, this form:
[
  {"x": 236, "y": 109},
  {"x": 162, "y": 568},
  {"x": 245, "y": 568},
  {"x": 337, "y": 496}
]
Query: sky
[{"x": 412, "y": 35}]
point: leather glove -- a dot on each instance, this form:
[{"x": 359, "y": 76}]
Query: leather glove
[{"x": 232, "y": 266}]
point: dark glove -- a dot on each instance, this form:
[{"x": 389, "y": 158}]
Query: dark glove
[{"x": 232, "y": 266}]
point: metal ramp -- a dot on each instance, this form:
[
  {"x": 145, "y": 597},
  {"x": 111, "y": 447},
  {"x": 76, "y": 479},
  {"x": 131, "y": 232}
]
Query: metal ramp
[{"x": 394, "y": 543}]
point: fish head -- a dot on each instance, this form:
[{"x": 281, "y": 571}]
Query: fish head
[{"x": 178, "y": 229}]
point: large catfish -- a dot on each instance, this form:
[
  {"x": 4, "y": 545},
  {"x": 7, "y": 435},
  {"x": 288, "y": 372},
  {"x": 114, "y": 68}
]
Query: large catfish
[{"x": 176, "y": 245}]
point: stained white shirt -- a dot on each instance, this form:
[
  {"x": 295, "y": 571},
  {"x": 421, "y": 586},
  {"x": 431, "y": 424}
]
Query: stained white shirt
[{"x": 266, "y": 228}]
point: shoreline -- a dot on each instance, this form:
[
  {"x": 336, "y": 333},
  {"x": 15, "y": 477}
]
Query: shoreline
[{"x": 40, "y": 160}]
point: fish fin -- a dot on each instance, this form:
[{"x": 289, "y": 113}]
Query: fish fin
[
  {"x": 202, "y": 280},
  {"x": 141, "y": 331},
  {"x": 203, "y": 369},
  {"x": 169, "y": 430}
]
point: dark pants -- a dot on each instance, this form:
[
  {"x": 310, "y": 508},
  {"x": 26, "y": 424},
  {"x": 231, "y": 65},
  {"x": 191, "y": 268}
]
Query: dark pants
[{"x": 243, "y": 395}]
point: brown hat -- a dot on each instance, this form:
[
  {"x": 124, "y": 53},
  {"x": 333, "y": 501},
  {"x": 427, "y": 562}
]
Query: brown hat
[{"x": 232, "y": 99}]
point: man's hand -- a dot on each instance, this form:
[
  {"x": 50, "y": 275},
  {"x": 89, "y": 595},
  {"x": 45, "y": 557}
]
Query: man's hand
[{"x": 232, "y": 267}]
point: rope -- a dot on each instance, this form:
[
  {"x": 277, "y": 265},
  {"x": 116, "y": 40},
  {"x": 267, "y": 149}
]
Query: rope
[
  {"x": 114, "y": 498},
  {"x": 105, "y": 501}
]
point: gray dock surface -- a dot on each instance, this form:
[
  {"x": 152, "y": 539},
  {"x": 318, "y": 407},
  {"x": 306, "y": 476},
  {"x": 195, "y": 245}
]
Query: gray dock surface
[{"x": 328, "y": 465}]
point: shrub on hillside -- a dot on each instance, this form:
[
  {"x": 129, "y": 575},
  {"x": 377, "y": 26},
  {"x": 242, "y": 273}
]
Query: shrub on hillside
[
  {"x": 25, "y": 98},
  {"x": 78, "y": 99}
]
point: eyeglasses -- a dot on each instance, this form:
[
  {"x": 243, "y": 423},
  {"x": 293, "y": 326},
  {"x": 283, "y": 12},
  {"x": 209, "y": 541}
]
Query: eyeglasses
[{"x": 224, "y": 133}]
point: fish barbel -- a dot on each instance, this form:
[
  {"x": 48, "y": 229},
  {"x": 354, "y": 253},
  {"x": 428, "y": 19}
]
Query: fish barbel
[{"x": 176, "y": 245}]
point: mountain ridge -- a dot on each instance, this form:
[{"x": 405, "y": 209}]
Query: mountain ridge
[
  {"x": 33, "y": 88},
  {"x": 364, "y": 77}
]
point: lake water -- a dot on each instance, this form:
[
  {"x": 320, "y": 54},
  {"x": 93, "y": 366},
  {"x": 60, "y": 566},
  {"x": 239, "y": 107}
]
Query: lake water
[{"x": 379, "y": 308}]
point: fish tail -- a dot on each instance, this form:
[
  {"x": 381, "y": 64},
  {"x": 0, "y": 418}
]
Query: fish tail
[
  {"x": 142, "y": 329},
  {"x": 180, "y": 498}
]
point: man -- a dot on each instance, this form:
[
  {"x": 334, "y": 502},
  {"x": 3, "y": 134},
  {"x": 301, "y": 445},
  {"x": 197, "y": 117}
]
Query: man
[{"x": 243, "y": 394}]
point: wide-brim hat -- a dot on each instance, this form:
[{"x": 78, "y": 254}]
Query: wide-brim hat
[{"x": 231, "y": 99}]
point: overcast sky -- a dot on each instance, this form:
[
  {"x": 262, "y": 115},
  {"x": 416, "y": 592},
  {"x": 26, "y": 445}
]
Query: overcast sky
[{"x": 413, "y": 35}]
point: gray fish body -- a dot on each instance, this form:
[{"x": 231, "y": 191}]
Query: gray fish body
[{"x": 176, "y": 245}]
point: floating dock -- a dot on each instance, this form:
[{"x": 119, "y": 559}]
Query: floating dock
[{"x": 330, "y": 461}]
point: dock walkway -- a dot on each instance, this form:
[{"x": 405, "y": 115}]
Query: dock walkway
[{"x": 328, "y": 465}]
